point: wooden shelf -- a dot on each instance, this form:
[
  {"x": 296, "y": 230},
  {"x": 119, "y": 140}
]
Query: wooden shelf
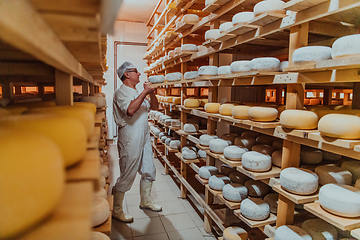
[
  {"x": 105, "y": 227},
  {"x": 229, "y": 204},
  {"x": 272, "y": 173},
  {"x": 171, "y": 150},
  {"x": 251, "y": 223},
  {"x": 334, "y": 141},
  {"x": 216, "y": 193},
  {"x": 298, "y": 199},
  {"x": 204, "y": 148},
  {"x": 183, "y": 133},
  {"x": 202, "y": 181},
  {"x": 299, "y": 5},
  {"x": 241, "y": 28},
  {"x": 214, "y": 155},
  {"x": 187, "y": 161},
  {"x": 266, "y": 18},
  {"x": 231, "y": 163}
]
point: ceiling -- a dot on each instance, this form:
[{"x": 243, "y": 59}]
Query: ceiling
[{"x": 137, "y": 10}]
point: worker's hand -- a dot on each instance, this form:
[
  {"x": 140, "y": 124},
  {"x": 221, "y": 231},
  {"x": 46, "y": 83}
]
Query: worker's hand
[{"x": 148, "y": 88}]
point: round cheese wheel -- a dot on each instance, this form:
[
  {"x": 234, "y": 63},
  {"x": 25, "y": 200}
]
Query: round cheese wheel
[
  {"x": 203, "y": 101},
  {"x": 191, "y": 75},
  {"x": 171, "y": 54},
  {"x": 176, "y": 76},
  {"x": 242, "y": 17},
  {"x": 238, "y": 177},
  {"x": 264, "y": 149},
  {"x": 226, "y": 169},
  {"x": 333, "y": 174},
  {"x": 346, "y": 46},
  {"x": 156, "y": 79},
  {"x": 299, "y": 181},
  {"x": 191, "y": 103},
  {"x": 240, "y": 112},
  {"x": 329, "y": 156},
  {"x": 340, "y": 126},
  {"x": 226, "y": 109},
  {"x": 189, "y": 47},
  {"x": 218, "y": 145},
  {"x": 208, "y": 71},
  {"x": 206, "y": 172},
  {"x": 156, "y": 132},
  {"x": 264, "y": 139},
  {"x": 234, "y": 192},
  {"x": 97, "y": 101},
  {"x": 276, "y": 158},
  {"x": 177, "y": 50},
  {"x": 255, "y": 209},
  {"x": 102, "y": 181},
  {"x": 163, "y": 138},
  {"x": 319, "y": 229},
  {"x": 286, "y": 232},
  {"x": 191, "y": 128},
  {"x": 100, "y": 211},
  {"x": 353, "y": 167},
  {"x": 256, "y": 188},
  {"x": 223, "y": 70},
  {"x": 175, "y": 144},
  {"x": 255, "y": 161},
  {"x": 212, "y": 34},
  {"x": 235, "y": 233},
  {"x": 101, "y": 193},
  {"x": 89, "y": 105},
  {"x": 341, "y": 200},
  {"x": 190, "y": 18},
  {"x": 189, "y": 154},
  {"x": 167, "y": 141},
  {"x": 176, "y": 123},
  {"x": 218, "y": 182},
  {"x": 247, "y": 142},
  {"x": 265, "y": 64},
  {"x": 202, "y": 48},
  {"x": 278, "y": 144},
  {"x": 240, "y": 66},
  {"x": 310, "y": 155},
  {"x": 212, "y": 107},
  {"x": 176, "y": 100},
  {"x": 205, "y": 139},
  {"x": 263, "y": 114},
  {"x": 272, "y": 200},
  {"x": 202, "y": 153},
  {"x": 98, "y": 236},
  {"x": 269, "y": 6},
  {"x": 234, "y": 152},
  {"x": 104, "y": 170},
  {"x": 283, "y": 65},
  {"x": 225, "y": 26},
  {"x": 298, "y": 119},
  {"x": 251, "y": 134},
  {"x": 311, "y": 53}
]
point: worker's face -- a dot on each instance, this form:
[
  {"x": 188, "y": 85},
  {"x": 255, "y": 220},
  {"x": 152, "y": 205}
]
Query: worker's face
[{"x": 133, "y": 75}]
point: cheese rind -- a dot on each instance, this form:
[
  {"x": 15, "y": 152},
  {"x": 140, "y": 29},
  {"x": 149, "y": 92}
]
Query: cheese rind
[
  {"x": 299, "y": 181},
  {"x": 189, "y": 47},
  {"x": 226, "y": 109},
  {"x": 240, "y": 112},
  {"x": 190, "y": 18},
  {"x": 276, "y": 158},
  {"x": 176, "y": 76},
  {"x": 227, "y": 170},
  {"x": 191, "y": 103},
  {"x": 234, "y": 152},
  {"x": 206, "y": 172},
  {"x": 191, "y": 75},
  {"x": 100, "y": 211},
  {"x": 256, "y": 188},
  {"x": 238, "y": 177},
  {"x": 286, "y": 232},
  {"x": 310, "y": 155},
  {"x": 263, "y": 114},
  {"x": 263, "y": 148},
  {"x": 319, "y": 229},
  {"x": 255, "y": 209},
  {"x": 311, "y": 53},
  {"x": 218, "y": 145},
  {"x": 353, "y": 167},
  {"x": 212, "y": 34},
  {"x": 255, "y": 161},
  {"x": 225, "y": 26},
  {"x": 346, "y": 46},
  {"x": 235, "y": 192},
  {"x": 175, "y": 144},
  {"x": 342, "y": 126},
  {"x": 272, "y": 200},
  {"x": 240, "y": 66},
  {"x": 298, "y": 119},
  {"x": 242, "y": 17},
  {"x": 247, "y": 142},
  {"x": 333, "y": 174},
  {"x": 156, "y": 79},
  {"x": 269, "y": 64},
  {"x": 224, "y": 70},
  {"x": 189, "y": 154},
  {"x": 191, "y": 128},
  {"x": 212, "y": 107},
  {"x": 205, "y": 139},
  {"x": 235, "y": 233},
  {"x": 218, "y": 182},
  {"x": 269, "y": 6},
  {"x": 208, "y": 71}
]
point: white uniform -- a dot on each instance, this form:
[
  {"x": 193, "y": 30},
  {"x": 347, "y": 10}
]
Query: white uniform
[{"x": 134, "y": 146}]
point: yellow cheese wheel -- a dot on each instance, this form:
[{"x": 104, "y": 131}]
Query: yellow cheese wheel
[
  {"x": 169, "y": 99},
  {"x": 322, "y": 112},
  {"x": 86, "y": 104},
  {"x": 100, "y": 211},
  {"x": 14, "y": 110},
  {"x": 240, "y": 112},
  {"x": 32, "y": 180},
  {"x": 203, "y": 102},
  {"x": 177, "y": 100},
  {"x": 263, "y": 114},
  {"x": 298, "y": 119},
  {"x": 235, "y": 233},
  {"x": 191, "y": 103},
  {"x": 37, "y": 104},
  {"x": 340, "y": 126},
  {"x": 226, "y": 109},
  {"x": 212, "y": 107}
]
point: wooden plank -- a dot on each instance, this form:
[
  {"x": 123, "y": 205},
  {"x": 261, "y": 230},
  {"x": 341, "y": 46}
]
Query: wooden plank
[
  {"x": 213, "y": 192},
  {"x": 231, "y": 163},
  {"x": 334, "y": 141},
  {"x": 201, "y": 180},
  {"x": 294, "y": 132},
  {"x": 261, "y": 124},
  {"x": 272, "y": 173},
  {"x": 63, "y": 88},
  {"x": 266, "y": 18},
  {"x": 337, "y": 221},
  {"x": 252, "y": 224},
  {"x": 223, "y": 37},
  {"x": 193, "y": 139},
  {"x": 229, "y": 204},
  {"x": 70, "y": 7},
  {"x": 357, "y": 148},
  {"x": 214, "y": 155},
  {"x": 241, "y": 28},
  {"x": 105, "y": 227},
  {"x": 186, "y": 161},
  {"x": 110, "y": 199},
  {"x": 183, "y": 133},
  {"x": 182, "y": 26},
  {"x": 204, "y": 148},
  {"x": 299, "y": 5},
  {"x": 26, "y": 69},
  {"x": 298, "y": 199},
  {"x": 355, "y": 233}
]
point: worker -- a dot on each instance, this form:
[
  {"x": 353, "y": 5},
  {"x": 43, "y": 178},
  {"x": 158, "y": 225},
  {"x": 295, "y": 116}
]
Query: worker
[{"x": 130, "y": 111}]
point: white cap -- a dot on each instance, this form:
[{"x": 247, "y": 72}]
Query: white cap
[{"x": 123, "y": 67}]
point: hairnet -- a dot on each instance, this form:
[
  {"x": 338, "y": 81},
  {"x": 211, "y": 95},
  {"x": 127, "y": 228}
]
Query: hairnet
[{"x": 123, "y": 67}]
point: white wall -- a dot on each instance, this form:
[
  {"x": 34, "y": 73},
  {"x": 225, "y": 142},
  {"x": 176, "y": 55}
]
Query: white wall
[{"x": 130, "y": 32}]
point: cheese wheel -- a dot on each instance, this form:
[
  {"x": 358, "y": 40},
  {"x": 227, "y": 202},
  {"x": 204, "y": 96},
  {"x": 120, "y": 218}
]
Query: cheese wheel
[
  {"x": 242, "y": 17},
  {"x": 171, "y": 54},
  {"x": 101, "y": 193},
  {"x": 283, "y": 65},
  {"x": 206, "y": 172},
  {"x": 97, "y": 101},
  {"x": 353, "y": 167},
  {"x": 202, "y": 153},
  {"x": 319, "y": 229},
  {"x": 205, "y": 139},
  {"x": 190, "y": 18},
  {"x": 209, "y": 2},
  {"x": 341, "y": 200},
  {"x": 163, "y": 138},
  {"x": 32, "y": 179},
  {"x": 191, "y": 75},
  {"x": 251, "y": 134},
  {"x": 269, "y": 6},
  {"x": 98, "y": 236},
  {"x": 311, "y": 53},
  {"x": 340, "y": 126},
  {"x": 225, "y": 26},
  {"x": 189, "y": 154},
  {"x": 265, "y": 139},
  {"x": 276, "y": 158},
  {"x": 167, "y": 141},
  {"x": 223, "y": 70},
  {"x": 329, "y": 156},
  {"x": 240, "y": 66},
  {"x": 299, "y": 181},
  {"x": 256, "y": 188},
  {"x": 218, "y": 182},
  {"x": 104, "y": 171},
  {"x": 310, "y": 155},
  {"x": 264, "y": 149},
  {"x": 286, "y": 232},
  {"x": 272, "y": 200},
  {"x": 176, "y": 76},
  {"x": 234, "y": 152},
  {"x": 102, "y": 181},
  {"x": 298, "y": 119},
  {"x": 229, "y": 136},
  {"x": 156, "y": 132},
  {"x": 263, "y": 114},
  {"x": 346, "y": 46},
  {"x": 278, "y": 144},
  {"x": 226, "y": 169},
  {"x": 255, "y": 209},
  {"x": 189, "y": 47},
  {"x": 235, "y": 233},
  {"x": 175, "y": 144},
  {"x": 208, "y": 71},
  {"x": 176, "y": 123},
  {"x": 212, "y": 107},
  {"x": 100, "y": 211},
  {"x": 177, "y": 50},
  {"x": 191, "y": 128},
  {"x": 238, "y": 177},
  {"x": 89, "y": 105},
  {"x": 176, "y": 100},
  {"x": 191, "y": 103},
  {"x": 256, "y": 161},
  {"x": 13, "y": 110},
  {"x": 156, "y": 79},
  {"x": 333, "y": 174},
  {"x": 212, "y": 34},
  {"x": 247, "y": 142},
  {"x": 202, "y": 48},
  {"x": 240, "y": 112},
  {"x": 218, "y": 145},
  {"x": 35, "y": 104},
  {"x": 226, "y": 109},
  {"x": 235, "y": 192},
  {"x": 265, "y": 64}
]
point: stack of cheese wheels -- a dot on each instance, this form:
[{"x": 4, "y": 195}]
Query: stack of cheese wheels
[
  {"x": 333, "y": 174},
  {"x": 298, "y": 119},
  {"x": 256, "y": 162},
  {"x": 212, "y": 107},
  {"x": 226, "y": 109},
  {"x": 283, "y": 65},
  {"x": 229, "y": 136},
  {"x": 188, "y": 154},
  {"x": 255, "y": 209},
  {"x": 286, "y": 232},
  {"x": 299, "y": 181},
  {"x": 243, "y": 17},
  {"x": 235, "y": 233},
  {"x": 156, "y": 79},
  {"x": 191, "y": 75},
  {"x": 278, "y": 144},
  {"x": 240, "y": 112},
  {"x": 247, "y": 142},
  {"x": 272, "y": 200},
  {"x": 176, "y": 76},
  {"x": 205, "y": 139},
  {"x": 100, "y": 211},
  {"x": 264, "y": 139},
  {"x": 342, "y": 126},
  {"x": 268, "y": 64},
  {"x": 218, "y": 145},
  {"x": 276, "y": 158},
  {"x": 227, "y": 170},
  {"x": 234, "y": 153},
  {"x": 202, "y": 48},
  {"x": 188, "y": 48},
  {"x": 263, "y": 148},
  {"x": 98, "y": 236},
  {"x": 176, "y": 123},
  {"x": 346, "y": 46},
  {"x": 217, "y": 182},
  {"x": 319, "y": 229},
  {"x": 32, "y": 179},
  {"x": 224, "y": 70},
  {"x": 311, "y": 53},
  {"x": 341, "y": 200},
  {"x": 176, "y": 100},
  {"x": 310, "y": 155},
  {"x": 263, "y": 114},
  {"x": 96, "y": 100},
  {"x": 240, "y": 66},
  {"x": 175, "y": 144},
  {"x": 206, "y": 172},
  {"x": 191, "y": 128},
  {"x": 329, "y": 156},
  {"x": 212, "y": 34},
  {"x": 256, "y": 188},
  {"x": 190, "y": 18},
  {"x": 269, "y": 6},
  {"x": 353, "y": 167},
  {"x": 202, "y": 153},
  {"x": 238, "y": 177},
  {"x": 225, "y": 26},
  {"x": 235, "y": 192},
  {"x": 208, "y": 71},
  {"x": 191, "y": 103}
]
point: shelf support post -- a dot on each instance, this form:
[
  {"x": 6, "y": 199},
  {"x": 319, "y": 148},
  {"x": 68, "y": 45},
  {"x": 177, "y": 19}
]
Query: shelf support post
[{"x": 63, "y": 88}]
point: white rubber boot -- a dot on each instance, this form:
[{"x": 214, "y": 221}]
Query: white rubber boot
[
  {"x": 146, "y": 202},
  {"x": 118, "y": 212}
]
